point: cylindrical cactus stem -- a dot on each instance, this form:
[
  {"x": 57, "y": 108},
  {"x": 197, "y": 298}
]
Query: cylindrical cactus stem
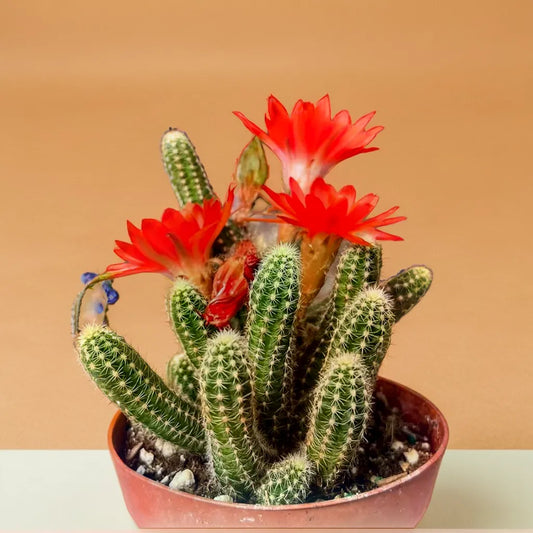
[
  {"x": 127, "y": 380},
  {"x": 339, "y": 416},
  {"x": 359, "y": 267},
  {"x": 225, "y": 392},
  {"x": 286, "y": 482},
  {"x": 407, "y": 288},
  {"x": 365, "y": 328},
  {"x": 190, "y": 182},
  {"x": 184, "y": 168},
  {"x": 273, "y": 304},
  {"x": 185, "y": 309},
  {"x": 182, "y": 377}
]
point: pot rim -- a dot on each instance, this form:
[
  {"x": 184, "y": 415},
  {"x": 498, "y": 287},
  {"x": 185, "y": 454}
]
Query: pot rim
[{"x": 437, "y": 456}]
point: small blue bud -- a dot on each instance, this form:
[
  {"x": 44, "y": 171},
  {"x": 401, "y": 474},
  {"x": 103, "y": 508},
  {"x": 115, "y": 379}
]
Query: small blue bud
[
  {"x": 88, "y": 276},
  {"x": 112, "y": 297},
  {"x": 106, "y": 285},
  {"x": 99, "y": 307}
]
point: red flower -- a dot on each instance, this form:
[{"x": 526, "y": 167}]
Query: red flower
[
  {"x": 326, "y": 211},
  {"x": 177, "y": 245},
  {"x": 230, "y": 285},
  {"x": 310, "y": 142}
]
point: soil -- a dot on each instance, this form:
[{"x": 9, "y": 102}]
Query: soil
[{"x": 393, "y": 448}]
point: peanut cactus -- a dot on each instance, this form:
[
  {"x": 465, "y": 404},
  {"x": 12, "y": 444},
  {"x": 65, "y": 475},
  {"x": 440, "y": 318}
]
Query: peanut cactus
[{"x": 277, "y": 402}]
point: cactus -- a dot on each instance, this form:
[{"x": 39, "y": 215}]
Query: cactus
[
  {"x": 276, "y": 404},
  {"x": 182, "y": 377},
  {"x": 227, "y": 411},
  {"x": 187, "y": 174},
  {"x": 127, "y": 380},
  {"x": 189, "y": 180},
  {"x": 286, "y": 482},
  {"x": 339, "y": 416},
  {"x": 273, "y": 305},
  {"x": 358, "y": 268},
  {"x": 365, "y": 328},
  {"x": 407, "y": 288},
  {"x": 185, "y": 308}
]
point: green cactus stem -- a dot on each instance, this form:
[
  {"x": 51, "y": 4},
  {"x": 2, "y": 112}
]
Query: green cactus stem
[
  {"x": 359, "y": 267},
  {"x": 273, "y": 304},
  {"x": 185, "y": 309},
  {"x": 365, "y": 328},
  {"x": 225, "y": 393},
  {"x": 339, "y": 416},
  {"x": 407, "y": 288},
  {"x": 127, "y": 380},
  {"x": 187, "y": 174},
  {"x": 190, "y": 182},
  {"x": 286, "y": 482},
  {"x": 182, "y": 377}
]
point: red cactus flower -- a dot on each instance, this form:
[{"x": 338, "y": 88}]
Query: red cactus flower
[
  {"x": 230, "y": 285},
  {"x": 310, "y": 142},
  {"x": 327, "y": 211},
  {"x": 177, "y": 245},
  {"x": 326, "y": 216}
]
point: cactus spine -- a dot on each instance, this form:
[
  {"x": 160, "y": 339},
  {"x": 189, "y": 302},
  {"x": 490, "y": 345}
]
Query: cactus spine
[
  {"x": 185, "y": 308},
  {"x": 225, "y": 389},
  {"x": 182, "y": 377},
  {"x": 273, "y": 304},
  {"x": 127, "y": 380},
  {"x": 407, "y": 288},
  {"x": 339, "y": 416},
  {"x": 286, "y": 482}
]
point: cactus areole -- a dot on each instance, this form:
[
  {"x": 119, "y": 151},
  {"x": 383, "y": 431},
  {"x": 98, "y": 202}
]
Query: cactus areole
[{"x": 273, "y": 387}]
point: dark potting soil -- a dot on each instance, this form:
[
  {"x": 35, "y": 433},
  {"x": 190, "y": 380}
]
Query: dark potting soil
[{"x": 393, "y": 448}]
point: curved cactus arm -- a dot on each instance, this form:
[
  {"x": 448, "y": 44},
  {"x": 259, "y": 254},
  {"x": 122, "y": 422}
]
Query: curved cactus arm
[
  {"x": 182, "y": 377},
  {"x": 407, "y": 288},
  {"x": 339, "y": 416},
  {"x": 225, "y": 394},
  {"x": 187, "y": 174},
  {"x": 359, "y": 268},
  {"x": 365, "y": 328},
  {"x": 185, "y": 309},
  {"x": 273, "y": 305},
  {"x": 127, "y": 380},
  {"x": 286, "y": 482}
]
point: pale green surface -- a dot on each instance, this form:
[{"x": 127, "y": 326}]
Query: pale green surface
[{"x": 73, "y": 490}]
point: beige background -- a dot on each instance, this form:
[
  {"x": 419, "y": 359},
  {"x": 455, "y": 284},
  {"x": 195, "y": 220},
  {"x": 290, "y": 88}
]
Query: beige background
[{"x": 87, "y": 88}]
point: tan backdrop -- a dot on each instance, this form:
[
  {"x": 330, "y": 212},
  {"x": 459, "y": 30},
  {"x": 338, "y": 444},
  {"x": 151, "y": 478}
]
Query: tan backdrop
[{"x": 87, "y": 89}]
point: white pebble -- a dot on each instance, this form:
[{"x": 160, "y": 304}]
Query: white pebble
[
  {"x": 165, "y": 480},
  {"x": 165, "y": 448},
  {"x": 411, "y": 455},
  {"x": 146, "y": 457},
  {"x": 397, "y": 445},
  {"x": 223, "y": 498},
  {"x": 183, "y": 480},
  {"x": 404, "y": 465},
  {"x": 141, "y": 470},
  {"x": 425, "y": 446}
]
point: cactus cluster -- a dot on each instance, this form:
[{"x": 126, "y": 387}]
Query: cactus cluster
[{"x": 278, "y": 401}]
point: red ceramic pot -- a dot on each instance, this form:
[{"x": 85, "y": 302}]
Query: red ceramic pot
[{"x": 400, "y": 504}]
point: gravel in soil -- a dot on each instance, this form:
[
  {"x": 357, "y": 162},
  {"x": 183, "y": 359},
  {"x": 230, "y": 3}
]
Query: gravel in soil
[{"x": 393, "y": 448}]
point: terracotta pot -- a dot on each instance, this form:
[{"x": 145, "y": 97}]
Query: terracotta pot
[{"x": 400, "y": 504}]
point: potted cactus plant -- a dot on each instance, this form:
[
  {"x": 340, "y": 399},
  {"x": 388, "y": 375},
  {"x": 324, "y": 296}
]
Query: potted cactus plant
[{"x": 272, "y": 411}]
